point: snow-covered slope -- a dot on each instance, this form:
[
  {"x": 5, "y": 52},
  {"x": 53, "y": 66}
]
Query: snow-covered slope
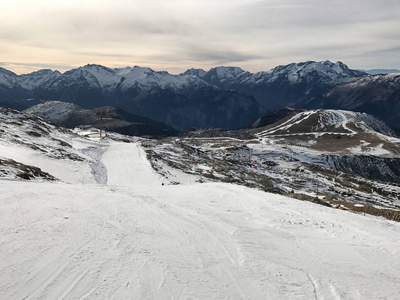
[
  {"x": 7, "y": 78},
  {"x": 42, "y": 78},
  {"x": 334, "y": 122},
  {"x": 157, "y": 242},
  {"x": 108, "y": 79},
  {"x": 389, "y": 80},
  {"x": 31, "y": 141},
  {"x": 63, "y": 113},
  {"x": 146, "y": 78},
  {"x": 326, "y": 71},
  {"x": 120, "y": 234}
]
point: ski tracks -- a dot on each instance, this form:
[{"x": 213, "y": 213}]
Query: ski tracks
[{"x": 99, "y": 170}]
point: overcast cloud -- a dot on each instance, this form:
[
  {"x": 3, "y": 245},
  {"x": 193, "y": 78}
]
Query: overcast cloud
[{"x": 175, "y": 35}]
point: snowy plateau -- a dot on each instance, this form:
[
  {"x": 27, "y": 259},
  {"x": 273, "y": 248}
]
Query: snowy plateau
[{"x": 187, "y": 218}]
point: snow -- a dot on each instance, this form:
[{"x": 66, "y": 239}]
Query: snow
[
  {"x": 7, "y": 78},
  {"x": 285, "y": 126},
  {"x": 228, "y": 73},
  {"x": 120, "y": 234},
  {"x": 53, "y": 111},
  {"x": 132, "y": 159},
  {"x": 111, "y": 227},
  {"x": 73, "y": 172},
  {"x": 391, "y": 80},
  {"x": 297, "y": 72},
  {"x": 38, "y": 78},
  {"x": 377, "y": 150},
  {"x": 101, "y": 77},
  {"x": 331, "y": 118},
  {"x": 146, "y": 79}
]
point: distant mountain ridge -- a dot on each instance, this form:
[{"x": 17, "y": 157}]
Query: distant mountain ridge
[
  {"x": 226, "y": 97},
  {"x": 381, "y": 71},
  {"x": 283, "y": 85}
]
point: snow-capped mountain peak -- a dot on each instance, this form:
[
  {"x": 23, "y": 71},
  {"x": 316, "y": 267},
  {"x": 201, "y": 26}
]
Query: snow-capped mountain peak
[
  {"x": 96, "y": 75},
  {"x": 225, "y": 74},
  {"x": 146, "y": 78},
  {"x": 195, "y": 72},
  {"x": 38, "y": 78},
  {"x": 325, "y": 71}
]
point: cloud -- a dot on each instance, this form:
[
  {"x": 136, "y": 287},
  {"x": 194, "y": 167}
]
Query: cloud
[
  {"x": 22, "y": 68},
  {"x": 252, "y": 33}
]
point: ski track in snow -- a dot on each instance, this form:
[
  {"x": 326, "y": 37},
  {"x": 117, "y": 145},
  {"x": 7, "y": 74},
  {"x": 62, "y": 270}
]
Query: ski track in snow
[
  {"x": 99, "y": 170},
  {"x": 132, "y": 238}
]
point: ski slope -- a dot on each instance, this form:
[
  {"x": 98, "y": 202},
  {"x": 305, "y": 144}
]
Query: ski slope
[
  {"x": 127, "y": 165},
  {"x": 130, "y": 237}
]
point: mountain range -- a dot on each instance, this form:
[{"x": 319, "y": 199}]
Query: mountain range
[
  {"x": 226, "y": 97},
  {"x": 381, "y": 71}
]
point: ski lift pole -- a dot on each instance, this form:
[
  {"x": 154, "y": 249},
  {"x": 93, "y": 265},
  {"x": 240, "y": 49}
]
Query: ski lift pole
[
  {"x": 252, "y": 170},
  {"x": 102, "y": 115}
]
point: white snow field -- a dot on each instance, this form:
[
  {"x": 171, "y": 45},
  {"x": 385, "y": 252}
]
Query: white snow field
[{"x": 121, "y": 234}]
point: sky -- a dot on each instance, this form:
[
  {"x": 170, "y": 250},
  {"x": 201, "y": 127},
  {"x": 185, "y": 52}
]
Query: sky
[{"x": 175, "y": 35}]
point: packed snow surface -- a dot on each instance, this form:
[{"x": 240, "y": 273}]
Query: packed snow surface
[{"x": 130, "y": 237}]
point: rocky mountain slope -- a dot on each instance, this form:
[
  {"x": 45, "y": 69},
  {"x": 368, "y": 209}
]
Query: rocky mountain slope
[
  {"x": 334, "y": 156},
  {"x": 107, "y": 118},
  {"x": 26, "y": 141},
  {"x": 355, "y": 143},
  {"x": 64, "y": 114},
  {"x": 378, "y": 95}
]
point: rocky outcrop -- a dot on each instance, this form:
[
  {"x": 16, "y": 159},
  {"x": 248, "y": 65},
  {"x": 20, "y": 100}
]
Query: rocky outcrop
[{"x": 369, "y": 167}]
